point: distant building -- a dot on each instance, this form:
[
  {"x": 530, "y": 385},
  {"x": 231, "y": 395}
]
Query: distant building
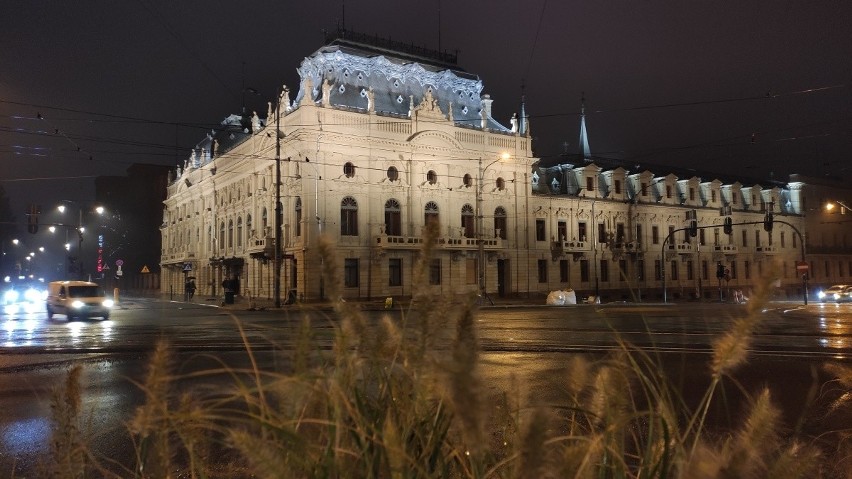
[
  {"x": 381, "y": 140},
  {"x": 133, "y": 210}
]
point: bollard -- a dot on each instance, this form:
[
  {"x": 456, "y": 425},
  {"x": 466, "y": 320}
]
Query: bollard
[{"x": 115, "y": 295}]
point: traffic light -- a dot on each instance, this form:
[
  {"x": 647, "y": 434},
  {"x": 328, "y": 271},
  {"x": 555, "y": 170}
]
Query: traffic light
[
  {"x": 767, "y": 221},
  {"x": 720, "y": 270},
  {"x": 32, "y": 218},
  {"x": 729, "y": 226}
]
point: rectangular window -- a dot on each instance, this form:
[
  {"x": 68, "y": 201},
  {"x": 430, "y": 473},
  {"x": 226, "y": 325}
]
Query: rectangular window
[
  {"x": 581, "y": 231},
  {"x": 349, "y": 222},
  {"x": 435, "y": 272},
  {"x": 542, "y": 271},
  {"x": 395, "y": 272},
  {"x": 701, "y": 237},
  {"x": 590, "y": 183},
  {"x": 638, "y": 238},
  {"x": 640, "y": 270},
  {"x": 584, "y": 270},
  {"x": 671, "y": 237},
  {"x": 563, "y": 270},
  {"x": 733, "y": 270},
  {"x": 644, "y": 188},
  {"x": 540, "y": 233},
  {"x": 604, "y": 270},
  {"x": 674, "y": 270},
  {"x": 745, "y": 238},
  {"x": 757, "y": 238},
  {"x": 713, "y": 196},
  {"x": 783, "y": 240},
  {"x": 350, "y": 272},
  {"x": 622, "y": 270},
  {"x": 619, "y": 232},
  {"x": 747, "y": 269},
  {"x": 690, "y": 274},
  {"x": 716, "y": 236},
  {"x": 704, "y": 269},
  {"x": 602, "y": 233},
  {"x": 658, "y": 273},
  {"x": 617, "y": 184},
  {"x": 562, "y": 231},
  {"x": 668, "y": 191},
  {"x": 794, "y": 241},
  {"x": 692, "y": 194}
]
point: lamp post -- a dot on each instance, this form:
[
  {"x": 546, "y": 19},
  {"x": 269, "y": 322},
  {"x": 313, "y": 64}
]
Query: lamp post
[
  {"x": 278, "y": 212},
  {"x": 479, "y": 226},
  {"x": 80, "y": 229}
]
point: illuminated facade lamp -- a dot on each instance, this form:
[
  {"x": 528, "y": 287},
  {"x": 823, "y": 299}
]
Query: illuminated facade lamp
[{"x": 834, "y": 203}]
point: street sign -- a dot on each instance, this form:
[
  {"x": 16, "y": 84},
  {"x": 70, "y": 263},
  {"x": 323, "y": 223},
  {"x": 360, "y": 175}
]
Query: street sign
[
  {"x": 145, "y": 269},
  {"x": 802, "y": 266},
  {"x": 187, "y": 266},
  {"x": 119, "y": 262}
]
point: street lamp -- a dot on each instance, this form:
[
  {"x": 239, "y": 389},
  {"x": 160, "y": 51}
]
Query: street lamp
[
  {"x": 831, "y": 205},
  {"x": 479, "y": 227}
]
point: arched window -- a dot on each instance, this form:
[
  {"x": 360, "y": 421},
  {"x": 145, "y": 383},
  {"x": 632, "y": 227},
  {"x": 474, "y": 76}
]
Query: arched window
[
  {"x": 467, "y": 180},
  {"x": 298, "y": 217},
  {"x": 248, "y": 225},
  {"x": 431, "y": 214},
  {"x": 467, "y": 221},
  {"x": 393, "y": 218},
  {"x": 501, "y": 184},
  {"x": 349, "y": 169},
  {"x": 500, "y": 222},
  {"x": 239, "y": 231},
  {"x": 264, "y": 220},
  {"x": 230, "y": 233},
  {"x": 432, "y": 177},
  {"x": 393, "y": 173},
  {"x": 348, "y": 217},
  {"x": 222, "y": 235}
]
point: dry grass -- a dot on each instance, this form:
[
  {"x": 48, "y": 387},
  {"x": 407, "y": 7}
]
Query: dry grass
[{"x": 390, "y": 401}]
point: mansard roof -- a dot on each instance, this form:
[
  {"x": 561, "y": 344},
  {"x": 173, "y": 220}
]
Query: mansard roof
[{"x": 352, "y": 75}]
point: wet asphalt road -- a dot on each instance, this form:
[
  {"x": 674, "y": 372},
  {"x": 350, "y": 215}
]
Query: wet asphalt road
[{"x": 526, "y": 345}]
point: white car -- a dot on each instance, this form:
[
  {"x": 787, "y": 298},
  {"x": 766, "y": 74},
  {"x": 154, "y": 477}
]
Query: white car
[{"x": 836, "y": 293}]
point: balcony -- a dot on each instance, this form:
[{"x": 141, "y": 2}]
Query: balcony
[
  {"x": 766, "y": 249},
  {"x": 416, "y": 242},
  {"x": 684, "y": 248},
  {"x": 176, "y": 256}
]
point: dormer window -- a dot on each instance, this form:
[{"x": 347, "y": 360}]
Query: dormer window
[
  {"x": 467, "y": 180},
  {"x": 501, "y": 184},
  {"x": 734, "y": 197},
  {"x": 668, "y": 191},
  {"x": 643, "y": 187},
  {"x": 692, "y": 194},
  {"x": 590, "y": 183},
  {"x": 617, "y": 186},
  {"x": 713, "y": 196}
]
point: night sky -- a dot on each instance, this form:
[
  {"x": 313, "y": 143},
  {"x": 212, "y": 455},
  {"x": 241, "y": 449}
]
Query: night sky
[{"x": 758, "y": 88}]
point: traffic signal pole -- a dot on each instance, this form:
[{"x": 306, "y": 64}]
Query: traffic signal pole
[{"x": 766, "y": 222}]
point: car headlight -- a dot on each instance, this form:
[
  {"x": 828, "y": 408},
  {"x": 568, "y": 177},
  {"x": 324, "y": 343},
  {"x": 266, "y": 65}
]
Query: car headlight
[
  {"x": 108, "y": 303},
  {"x": 10, "y": 296},
  {"x": 821, "y": 294},
  {"x": 836, "y": 296},
  {"x": 77, "y": 304},
  {"x": 32, "y": 295}
]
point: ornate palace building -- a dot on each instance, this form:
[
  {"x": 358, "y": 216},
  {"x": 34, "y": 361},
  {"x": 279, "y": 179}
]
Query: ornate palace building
[{"x": 381, "y": 140}]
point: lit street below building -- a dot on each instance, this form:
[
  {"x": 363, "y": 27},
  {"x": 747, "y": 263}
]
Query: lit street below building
[{"x": 530, "y": 344}]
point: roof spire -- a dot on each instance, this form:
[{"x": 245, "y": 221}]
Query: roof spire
[
  {"x": 524, "y": 126},
  {"x": 585, "y": 151}
]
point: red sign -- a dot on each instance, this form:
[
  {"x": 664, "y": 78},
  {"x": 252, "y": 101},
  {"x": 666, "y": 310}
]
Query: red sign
[{"x": 802, "y": 266}]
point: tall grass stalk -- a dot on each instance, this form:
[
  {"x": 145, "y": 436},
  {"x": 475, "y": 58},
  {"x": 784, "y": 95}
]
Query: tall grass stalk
[{"x": 406, "y": 399}]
